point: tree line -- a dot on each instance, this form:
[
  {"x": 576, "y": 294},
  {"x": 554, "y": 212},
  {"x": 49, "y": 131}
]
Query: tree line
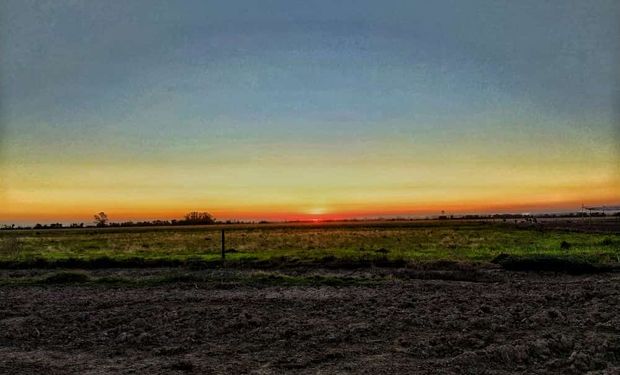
[
  {"x": 101, "y": 220},
  {"x": 204, "y": 218},
  {"x": 191, "y": 218}
]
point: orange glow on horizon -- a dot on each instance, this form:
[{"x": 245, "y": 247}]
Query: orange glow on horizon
[
  {"x": 331, "y": 190},
  {"x": 344, "y": 213}
]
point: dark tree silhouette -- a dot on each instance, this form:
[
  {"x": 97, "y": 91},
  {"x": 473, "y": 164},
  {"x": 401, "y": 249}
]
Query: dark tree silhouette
[
  {"x": 199, "y": 218},
  {"x": 101, "y": 219}
]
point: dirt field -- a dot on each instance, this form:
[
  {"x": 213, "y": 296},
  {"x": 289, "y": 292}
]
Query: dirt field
[{"x": 498, "y": 324}]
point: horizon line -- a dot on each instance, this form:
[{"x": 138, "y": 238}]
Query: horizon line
[{"x": 283, "y": 217}]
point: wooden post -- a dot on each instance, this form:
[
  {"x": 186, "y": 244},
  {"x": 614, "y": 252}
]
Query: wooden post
[{"x": 223, "y": 245}]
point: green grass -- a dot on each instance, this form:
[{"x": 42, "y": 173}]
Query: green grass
[{"x": 417, "y": 241}]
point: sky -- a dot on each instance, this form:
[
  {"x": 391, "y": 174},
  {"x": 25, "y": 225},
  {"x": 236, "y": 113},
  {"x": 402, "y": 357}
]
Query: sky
[{"x": 306, "y": 109}]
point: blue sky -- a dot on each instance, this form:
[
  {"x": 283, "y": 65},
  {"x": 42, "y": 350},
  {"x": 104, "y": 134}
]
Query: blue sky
[{"x": 205, "y": 84}]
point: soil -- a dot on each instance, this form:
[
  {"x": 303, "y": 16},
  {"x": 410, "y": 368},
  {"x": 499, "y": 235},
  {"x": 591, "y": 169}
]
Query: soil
[{"x": 510, "y": 323}]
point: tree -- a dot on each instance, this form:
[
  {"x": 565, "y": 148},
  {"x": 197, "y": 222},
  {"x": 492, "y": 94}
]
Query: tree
[
  {"x": 101, "y": 219},
  {"x": 199, "y": 218}
]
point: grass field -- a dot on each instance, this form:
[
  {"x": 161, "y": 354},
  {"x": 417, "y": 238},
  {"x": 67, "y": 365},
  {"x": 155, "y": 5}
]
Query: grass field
[{"x": 408, "y": 241}]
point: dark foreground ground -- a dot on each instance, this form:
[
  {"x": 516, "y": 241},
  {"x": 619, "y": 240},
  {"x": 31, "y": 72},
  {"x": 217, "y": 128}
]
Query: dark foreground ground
[{"x": 498, "y": 323}]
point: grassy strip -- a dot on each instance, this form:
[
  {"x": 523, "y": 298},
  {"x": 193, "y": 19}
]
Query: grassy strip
[
  {"x": 197, "y": 263},
  {"x": 254, "y": 279},
  {"x": 168, "y": 247},
  {"x": 230, "y": 278}
]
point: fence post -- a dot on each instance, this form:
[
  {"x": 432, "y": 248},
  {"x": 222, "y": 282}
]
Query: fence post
[{"x": 223, "y": 245}]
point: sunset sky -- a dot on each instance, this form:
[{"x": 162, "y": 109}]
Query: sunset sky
[{"x": 306, "y": 109}]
